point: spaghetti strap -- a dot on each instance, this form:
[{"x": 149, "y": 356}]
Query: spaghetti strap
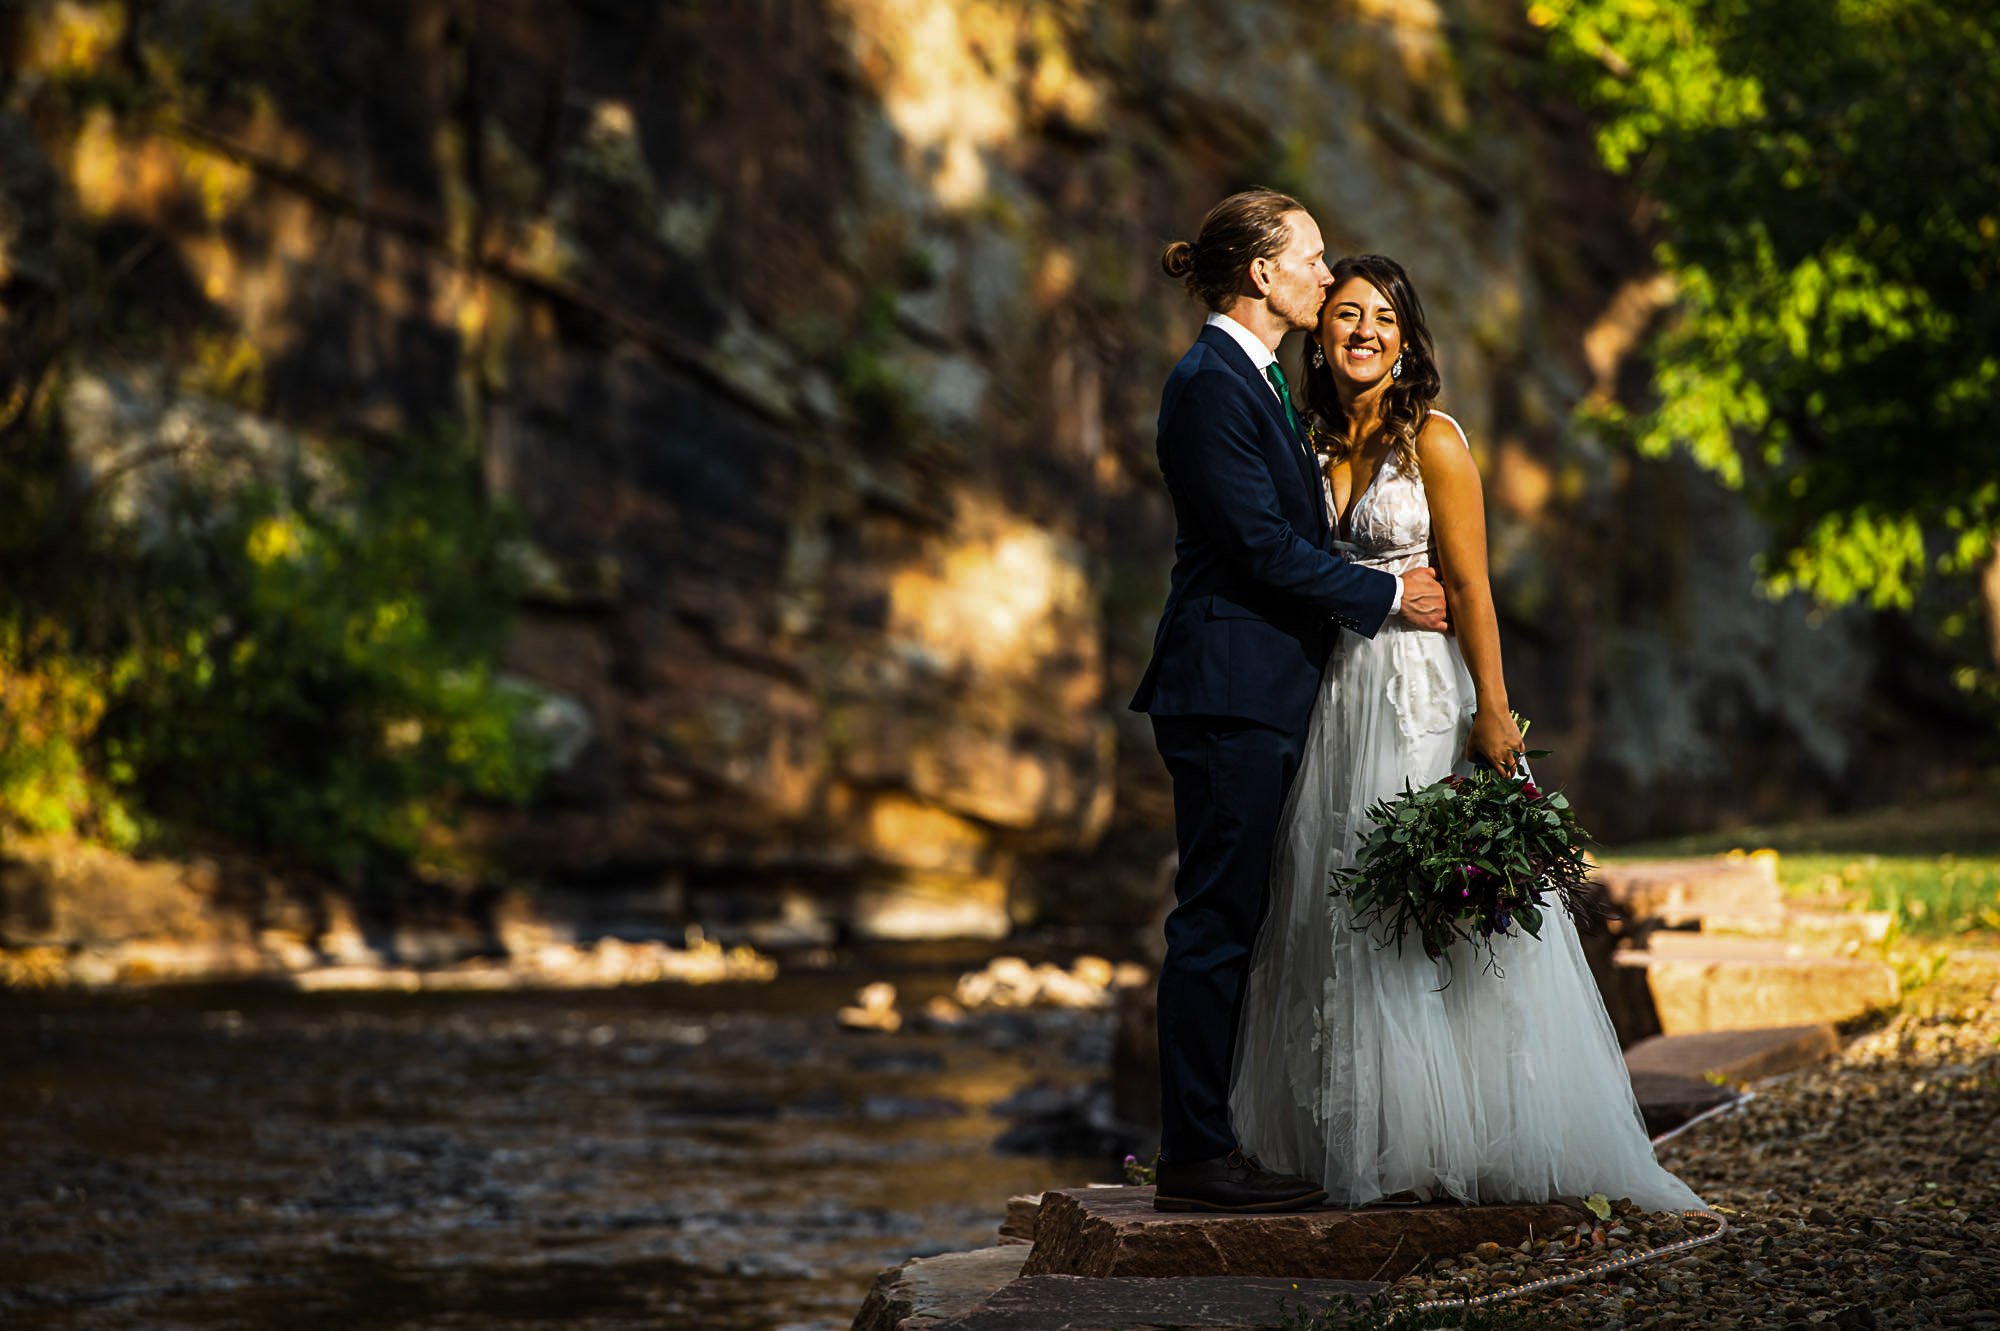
[{"x": 1453, "y": 423}]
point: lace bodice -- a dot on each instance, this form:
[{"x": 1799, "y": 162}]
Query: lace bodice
[{"x": 1389, "y": 523}]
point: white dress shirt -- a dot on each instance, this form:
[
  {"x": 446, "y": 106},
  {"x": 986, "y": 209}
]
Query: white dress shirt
[{"x": 1262, "y": 357}]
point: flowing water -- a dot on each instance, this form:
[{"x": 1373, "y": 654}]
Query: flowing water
[{"x": 720, "y": 1158}]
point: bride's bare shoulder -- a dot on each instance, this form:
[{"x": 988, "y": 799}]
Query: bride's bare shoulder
[
  {"x": 1442, "y": 426},
  {"x": 1442, "y": 442}
]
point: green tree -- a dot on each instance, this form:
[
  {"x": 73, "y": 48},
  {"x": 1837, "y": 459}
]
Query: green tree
[{"x": 1827, "y": 177}]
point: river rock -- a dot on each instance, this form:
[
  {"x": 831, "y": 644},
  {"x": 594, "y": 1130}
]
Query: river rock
[
  {"x": 925, "y": 1291},
  {"x": 1116, "y": 1232}
]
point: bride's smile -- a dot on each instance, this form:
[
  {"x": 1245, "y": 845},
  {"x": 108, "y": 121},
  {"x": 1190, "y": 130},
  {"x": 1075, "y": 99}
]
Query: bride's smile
[{"x": 1358, "y": 333}]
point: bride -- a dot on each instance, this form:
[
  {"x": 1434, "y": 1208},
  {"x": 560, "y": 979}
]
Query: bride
[{"x": 1353, "y": 1066}]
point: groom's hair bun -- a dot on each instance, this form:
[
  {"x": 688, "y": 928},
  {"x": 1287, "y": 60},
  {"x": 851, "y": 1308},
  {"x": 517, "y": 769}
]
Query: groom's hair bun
[{"x": 1238, "y": 231}]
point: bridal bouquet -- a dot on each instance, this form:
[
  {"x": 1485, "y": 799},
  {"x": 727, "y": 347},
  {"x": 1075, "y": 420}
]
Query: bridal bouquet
[{"x": 1468, "y": 858}]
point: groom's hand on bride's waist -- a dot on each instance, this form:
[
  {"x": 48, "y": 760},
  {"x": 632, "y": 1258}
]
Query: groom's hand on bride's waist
[{"x": 1423, "y": 601}]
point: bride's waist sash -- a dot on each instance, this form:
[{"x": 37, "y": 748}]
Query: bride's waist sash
[{"x": 1370, "y": 557}]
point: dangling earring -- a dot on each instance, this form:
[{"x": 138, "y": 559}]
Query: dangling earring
[
  {"x": 1319, "y": 356},
  {"x": 1396, "y": 370}
]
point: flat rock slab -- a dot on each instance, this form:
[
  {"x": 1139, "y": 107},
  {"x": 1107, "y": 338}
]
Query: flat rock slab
[
  {"x": 1667, "y": 1101},
  {"x": 1116, "y": 1232},
  {"x": 1677, "y": 1077},
  {"x": 1711, "y": 984},
  {"x": 1734, "y": 1056},
  {"x": 1693, "y": 890},
  {"x": 925, "y": 1291},
  {"x": 1083, "y": 1303}
]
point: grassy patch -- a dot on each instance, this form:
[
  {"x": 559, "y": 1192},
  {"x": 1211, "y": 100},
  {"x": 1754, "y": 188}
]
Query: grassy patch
[
  {"x": 1932, "y": 896},
  {"x": 1935, "y": 864}
]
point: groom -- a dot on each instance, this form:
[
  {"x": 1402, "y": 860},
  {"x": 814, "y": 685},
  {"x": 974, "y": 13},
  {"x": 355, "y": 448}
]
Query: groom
[{"x": 1256, "y": 601}]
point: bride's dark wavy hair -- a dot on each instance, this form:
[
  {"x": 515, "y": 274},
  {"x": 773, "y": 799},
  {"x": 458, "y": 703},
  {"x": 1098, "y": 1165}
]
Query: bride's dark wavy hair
[{"x": 1406, "y": 402}]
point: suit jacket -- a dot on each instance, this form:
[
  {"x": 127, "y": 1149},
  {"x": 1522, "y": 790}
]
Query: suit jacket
[{"x": 1257, "y": 594}]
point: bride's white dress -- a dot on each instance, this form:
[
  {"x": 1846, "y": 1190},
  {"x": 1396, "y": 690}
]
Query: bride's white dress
[{"x": 1353, "y": 1067}]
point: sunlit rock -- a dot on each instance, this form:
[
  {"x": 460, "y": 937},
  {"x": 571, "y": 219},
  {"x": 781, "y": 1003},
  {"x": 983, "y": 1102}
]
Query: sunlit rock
[
  {"x": 1010, "y": 982},
  {"x": 928, "y": 905},
  {"x": 943, "y": 1012},
  {"x": 873, "y": 1009},
  {"x": 804, "y": 919},
  {"x": 910, "y": 833}
]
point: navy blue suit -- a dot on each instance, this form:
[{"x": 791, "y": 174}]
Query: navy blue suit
[{"x": 1256, "y": 599}]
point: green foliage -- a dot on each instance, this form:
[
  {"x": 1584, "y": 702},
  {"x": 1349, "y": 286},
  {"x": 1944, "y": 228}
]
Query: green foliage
[
  {"x": 1465, "y": 859},
  {"x": 50, "y": 706},
  {"x": 878, "y": 396},
  {"x": 317, "y": 679},
  {"x": 1934, "y": 897},
  {"x": 310, "y": 675},
  {"x": 1828, "y": 182}
]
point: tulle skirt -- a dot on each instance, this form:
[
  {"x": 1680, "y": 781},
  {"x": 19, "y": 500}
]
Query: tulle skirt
[{"x": 1379, "y": 1071}]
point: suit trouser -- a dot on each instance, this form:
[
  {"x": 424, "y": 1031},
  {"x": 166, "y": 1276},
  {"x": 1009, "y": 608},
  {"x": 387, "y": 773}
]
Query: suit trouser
[{"x": 1230, "y": 779}]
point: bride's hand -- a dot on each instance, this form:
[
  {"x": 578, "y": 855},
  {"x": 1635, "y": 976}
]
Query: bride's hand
[{"x": 1496, "y": 739}]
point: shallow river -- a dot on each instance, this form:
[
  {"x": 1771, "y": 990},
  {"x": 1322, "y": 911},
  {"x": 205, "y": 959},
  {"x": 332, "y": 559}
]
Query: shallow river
[{"x": 661, "y": 1157}]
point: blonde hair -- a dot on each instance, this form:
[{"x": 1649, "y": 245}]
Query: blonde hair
[{"x": 1237, "y": 232}]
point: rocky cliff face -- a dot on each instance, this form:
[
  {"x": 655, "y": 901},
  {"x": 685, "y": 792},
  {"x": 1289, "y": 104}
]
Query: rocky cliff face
[{"x": 819, "y": 340}]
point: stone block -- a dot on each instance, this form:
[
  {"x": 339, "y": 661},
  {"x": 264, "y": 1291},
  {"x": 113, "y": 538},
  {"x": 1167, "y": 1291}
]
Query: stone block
[
  {"x": 1023, "y": 1213},
  {"x": 1083, "y": 1303},
  {"x": 1667, "y": 1100},
  {"x": 1735, "y": 1055},
  {"x": 1116, "y": 1232},
  {"x": 1709, "y": 984},
  {"x": 1675, "y": 892},
  {"x": 1845, "y": 931},
  {"x": 925, "y": 1291}
]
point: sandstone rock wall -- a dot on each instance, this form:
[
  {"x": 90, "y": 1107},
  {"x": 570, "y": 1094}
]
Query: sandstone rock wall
[{"x": 819, "y": 340}]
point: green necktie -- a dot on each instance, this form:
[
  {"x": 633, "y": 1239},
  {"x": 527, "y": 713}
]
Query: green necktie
[{"x": 1277, "y": 378}]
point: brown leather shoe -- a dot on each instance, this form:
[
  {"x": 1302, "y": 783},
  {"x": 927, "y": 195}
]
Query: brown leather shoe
[{"x": 1232, "y": 1183}]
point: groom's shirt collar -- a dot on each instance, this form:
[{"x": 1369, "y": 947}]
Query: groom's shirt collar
[{"x": 1253, "y": 346}]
